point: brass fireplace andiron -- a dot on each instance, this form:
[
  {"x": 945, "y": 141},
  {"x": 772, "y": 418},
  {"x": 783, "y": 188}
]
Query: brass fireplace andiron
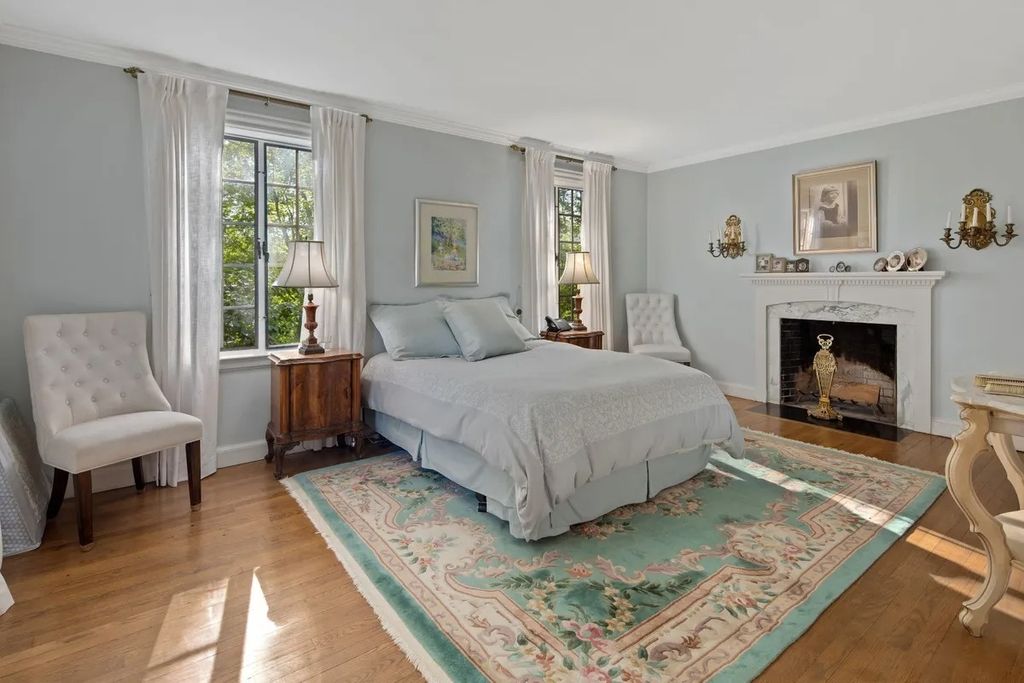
[{"x": 825, "y": 371}]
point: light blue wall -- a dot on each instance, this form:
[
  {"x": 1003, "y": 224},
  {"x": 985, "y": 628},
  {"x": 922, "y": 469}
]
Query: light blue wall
[{"x": 924, "y": 168}]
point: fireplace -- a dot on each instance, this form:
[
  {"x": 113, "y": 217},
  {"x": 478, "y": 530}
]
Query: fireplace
[{"x": 864, "y": 385}]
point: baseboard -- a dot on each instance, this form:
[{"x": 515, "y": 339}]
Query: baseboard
[
  {"x": 738, "y": 390},
  {"x": 241, "y": 453}
]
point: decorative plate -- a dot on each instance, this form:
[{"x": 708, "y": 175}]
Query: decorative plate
[
  {"x": 916, "y": 258},
  {"x": 880, "y": 264},
  {"x": 895, "y": 261}
]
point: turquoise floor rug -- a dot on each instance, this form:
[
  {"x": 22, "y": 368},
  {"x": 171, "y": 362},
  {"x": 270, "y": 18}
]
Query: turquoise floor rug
[{"x": 712, "y": 579}]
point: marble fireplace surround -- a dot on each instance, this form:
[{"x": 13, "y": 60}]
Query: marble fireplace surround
[{"x": 901, "y": 299}]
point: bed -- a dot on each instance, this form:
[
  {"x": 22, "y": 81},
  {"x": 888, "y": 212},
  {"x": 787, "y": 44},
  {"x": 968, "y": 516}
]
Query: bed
[{"x": 555, "y": 435}]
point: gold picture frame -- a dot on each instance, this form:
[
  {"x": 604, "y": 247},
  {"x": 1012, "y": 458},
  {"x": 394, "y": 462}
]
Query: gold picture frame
[{"x": 834, "y": 210}]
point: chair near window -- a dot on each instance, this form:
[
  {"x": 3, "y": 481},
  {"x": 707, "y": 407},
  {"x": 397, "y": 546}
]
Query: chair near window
[
  {"x": 95, "y": 403},
  {"x": 651, "y": 324}
]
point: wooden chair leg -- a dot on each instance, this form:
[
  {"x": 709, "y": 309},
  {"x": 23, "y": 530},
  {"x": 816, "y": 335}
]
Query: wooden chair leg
[
  {"x": 83, "y": 494},
  {"x": 60, "y": 487},
  {"x": 140, "y": 480},
  {"x": 195, "y": 484}
]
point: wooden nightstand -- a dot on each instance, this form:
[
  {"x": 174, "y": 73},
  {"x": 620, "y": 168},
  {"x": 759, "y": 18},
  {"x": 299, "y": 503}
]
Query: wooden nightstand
[
  {"x": 588, "y": 339},
  {"x": 313, "y": 397}
]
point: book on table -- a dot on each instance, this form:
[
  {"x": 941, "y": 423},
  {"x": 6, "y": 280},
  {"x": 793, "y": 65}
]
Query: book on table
[{"x": 1000, "y": 384}]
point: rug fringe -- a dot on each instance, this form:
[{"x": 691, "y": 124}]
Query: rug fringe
[
  {"x": 386, "y": 615},
  {"x": 861, "y": 456}
]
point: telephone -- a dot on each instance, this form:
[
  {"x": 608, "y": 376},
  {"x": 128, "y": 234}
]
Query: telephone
[{"x": 557, "y": 325}]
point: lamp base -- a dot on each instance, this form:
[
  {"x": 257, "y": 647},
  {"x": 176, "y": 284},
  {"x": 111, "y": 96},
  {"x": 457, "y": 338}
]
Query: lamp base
[
  {"x": 311, "y": 345},
  {"x": 577, "y": 310}
]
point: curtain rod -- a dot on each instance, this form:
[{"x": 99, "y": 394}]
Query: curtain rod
[
  {"x": 522, "y": 150},
  {"x": 134, "y": 72}
]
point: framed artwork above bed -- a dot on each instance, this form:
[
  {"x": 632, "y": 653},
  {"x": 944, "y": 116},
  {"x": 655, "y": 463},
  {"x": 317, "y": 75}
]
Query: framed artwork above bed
[{"x": 447, "y": 244}]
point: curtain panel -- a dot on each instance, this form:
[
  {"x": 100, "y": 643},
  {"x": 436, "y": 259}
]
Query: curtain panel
[
  {"x": 597, "y": 208},
  {"x": 182, "y": 141},
  {"x": 6, "y": 599},
  {"x": 339, "y": 141},
  {"x": 540, "y": 281}
]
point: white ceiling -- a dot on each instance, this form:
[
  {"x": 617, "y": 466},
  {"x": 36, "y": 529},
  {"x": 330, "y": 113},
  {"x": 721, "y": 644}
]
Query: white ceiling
[{"x": 658, "y": 82}]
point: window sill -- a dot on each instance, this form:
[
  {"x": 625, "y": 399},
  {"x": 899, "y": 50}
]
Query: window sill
[{"x": 231, "y": 361}]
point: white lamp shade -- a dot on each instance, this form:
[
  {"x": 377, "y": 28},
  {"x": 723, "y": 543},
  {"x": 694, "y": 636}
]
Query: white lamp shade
[
  {"x": 578, "y": 270},
  {"x": 304, "y": 266}
]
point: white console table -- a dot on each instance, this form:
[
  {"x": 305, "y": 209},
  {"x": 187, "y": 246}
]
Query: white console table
[{"x": 988, "y": 420}]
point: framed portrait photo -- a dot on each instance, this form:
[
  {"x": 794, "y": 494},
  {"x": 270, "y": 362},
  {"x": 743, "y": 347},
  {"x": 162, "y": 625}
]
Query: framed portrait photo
[
  {"x": 834, "y": 210},
  {"x": 763, "y": 263},
  {"x": 447, "y": 244},
  {"x": 779, "y": 264}
]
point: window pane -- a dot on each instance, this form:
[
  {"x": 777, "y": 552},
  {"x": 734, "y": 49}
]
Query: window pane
[
  {"x": 238, "y": 203},
  {"x": 564, "y": 197},
  {"x": 576, "y": 222},
  {"x": 239, "y": 160},
  {"x": 284, "y": 315},
  {"x": 577, "y": 202},
  {"x": 306, "y": 207},
  {"x": 281, "y": 206},
  {"x": 306, "y": 169},
  {"x": 280, "y": 165},
  {"x": 239, "y": 246},
  {"x": 564, "y": 228},
  {"x": 239, "y": 286},
  {"x": 277, "y": 246},
  {"x": 240, "y": 329}
]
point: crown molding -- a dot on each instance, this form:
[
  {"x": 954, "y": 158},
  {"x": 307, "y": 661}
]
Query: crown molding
[
  {"x": 74, "y": 48},
  {"x": 1011, "y": 92}
]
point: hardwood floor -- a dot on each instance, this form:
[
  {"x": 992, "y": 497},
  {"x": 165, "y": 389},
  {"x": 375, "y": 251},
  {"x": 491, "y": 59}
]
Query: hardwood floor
[{"x": 246, "y": 589}]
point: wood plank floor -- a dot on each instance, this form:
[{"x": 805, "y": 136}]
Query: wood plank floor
[{"x": 246, "y": 589}]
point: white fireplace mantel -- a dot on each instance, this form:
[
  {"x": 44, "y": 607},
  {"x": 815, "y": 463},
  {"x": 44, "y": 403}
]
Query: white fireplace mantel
[{"x": 903, "y": 299}]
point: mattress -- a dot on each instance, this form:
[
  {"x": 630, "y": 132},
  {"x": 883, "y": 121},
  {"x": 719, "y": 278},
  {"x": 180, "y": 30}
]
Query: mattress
[{"x": 470, "y": 470}]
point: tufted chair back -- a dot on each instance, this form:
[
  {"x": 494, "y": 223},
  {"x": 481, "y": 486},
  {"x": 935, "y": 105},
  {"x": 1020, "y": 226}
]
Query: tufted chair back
[
  {"x": 83, "y": 367},
  {"x": 651, "y": 319}
]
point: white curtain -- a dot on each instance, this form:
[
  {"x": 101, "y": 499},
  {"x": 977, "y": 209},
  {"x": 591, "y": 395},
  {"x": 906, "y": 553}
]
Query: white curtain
[
  {"x": 182, "y": 138},
  {"x": 540, "y": 281},
  {"x": 339, "y": 141},
  {"x": 597, "y": 208}
]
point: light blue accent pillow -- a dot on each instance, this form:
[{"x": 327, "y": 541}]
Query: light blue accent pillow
[
  {"x": 502, "y": 301},
  {"x": 481, "y": 329},
  {"x": 414, "y": 330}
]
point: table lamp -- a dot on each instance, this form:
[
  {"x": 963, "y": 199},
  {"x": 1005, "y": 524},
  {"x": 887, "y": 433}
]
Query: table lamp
[
  {"x": 578, "y": 271},
  {"x": 304, "y": 268}
]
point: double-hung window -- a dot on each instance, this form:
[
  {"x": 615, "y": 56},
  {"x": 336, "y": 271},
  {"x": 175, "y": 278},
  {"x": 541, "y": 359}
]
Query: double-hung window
[
  {"x": 267, "y": 202},
  {"x": 569, "y": 221}
]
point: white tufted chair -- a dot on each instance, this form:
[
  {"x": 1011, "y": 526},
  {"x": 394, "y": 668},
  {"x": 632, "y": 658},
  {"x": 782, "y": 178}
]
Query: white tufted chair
[
  {"x": 651, "y": 323},
  {"x": 95, "y": 402}
]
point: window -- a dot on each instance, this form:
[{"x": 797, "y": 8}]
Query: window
[
  {"x": 569, "y": 207},
  {"x": 267, "y": 202}
]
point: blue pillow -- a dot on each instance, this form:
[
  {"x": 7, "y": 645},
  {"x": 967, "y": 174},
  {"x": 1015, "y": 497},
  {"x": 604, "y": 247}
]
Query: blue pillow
[
  {"x": 481, "y": 329},
  {"x": 502, "y": 301},
  {"x": 414, "y": 331}
]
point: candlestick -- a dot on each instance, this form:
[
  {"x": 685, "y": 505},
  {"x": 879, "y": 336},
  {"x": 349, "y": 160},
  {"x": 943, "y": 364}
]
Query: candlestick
[
  {"x": 1009, "y": 214},
  {"x": 974, "y": 223},
  {"x": 988, "y": 213},
  {"x": 963, "y": 213},
  {"x": 949, "y": 216}
]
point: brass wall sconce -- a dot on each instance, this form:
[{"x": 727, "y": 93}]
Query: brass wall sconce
[
  {"x": 730, "y": 242},
  {"x": 977, "y": 223}
]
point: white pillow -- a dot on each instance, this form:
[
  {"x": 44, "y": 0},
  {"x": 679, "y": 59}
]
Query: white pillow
[
  {"x": 502, "y": 301},
  {"x": 414, "y": 331},
  {"x": 481, "y": 328}
]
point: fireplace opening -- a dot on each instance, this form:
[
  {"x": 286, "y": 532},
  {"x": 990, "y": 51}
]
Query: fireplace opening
[{"x": 864, "y": 385}]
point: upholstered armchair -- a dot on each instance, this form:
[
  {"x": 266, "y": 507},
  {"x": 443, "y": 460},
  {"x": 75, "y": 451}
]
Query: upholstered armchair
[
  {"x": 95, "y": 402},
  {"x": 651, "y": 323}
]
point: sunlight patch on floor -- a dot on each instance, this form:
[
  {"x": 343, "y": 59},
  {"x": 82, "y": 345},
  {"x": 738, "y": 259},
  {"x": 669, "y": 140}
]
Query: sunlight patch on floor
[
  {"x": 190, "y": 630},
  {"x": 259, "y": 628}
]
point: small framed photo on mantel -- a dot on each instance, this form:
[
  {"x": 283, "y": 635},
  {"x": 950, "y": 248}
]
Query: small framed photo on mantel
[
  {"x": 834, "y": 210},
  {"x": 447, "y": 244}
]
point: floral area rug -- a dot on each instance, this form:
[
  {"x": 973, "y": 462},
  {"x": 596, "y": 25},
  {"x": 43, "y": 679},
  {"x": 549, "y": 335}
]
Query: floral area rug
[{"x": 711, "y": 579}]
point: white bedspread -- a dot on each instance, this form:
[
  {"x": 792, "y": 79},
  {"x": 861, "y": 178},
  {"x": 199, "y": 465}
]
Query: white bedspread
[{"x": 556, "y": 416}]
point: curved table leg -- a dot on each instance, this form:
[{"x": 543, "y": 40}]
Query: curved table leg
[{"x": 967, "y": 446}]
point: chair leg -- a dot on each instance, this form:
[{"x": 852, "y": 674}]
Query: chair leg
[
  {"x": 140, "y": 480},
  {"x": 195, "y": 484},
  {"x": 83, "y": 494},
  {"x": 60, "y": 487}
]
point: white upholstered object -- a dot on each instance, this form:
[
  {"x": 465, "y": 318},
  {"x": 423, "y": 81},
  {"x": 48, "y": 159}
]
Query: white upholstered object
[
  {"x": 651, "y": 324},
  {"x": 94, "y": 398}
]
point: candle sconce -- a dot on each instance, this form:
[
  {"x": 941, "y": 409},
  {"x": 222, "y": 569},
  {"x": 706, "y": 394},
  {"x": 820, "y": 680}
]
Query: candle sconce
[
  {"x": 730, "y": 244},
  {"x": 975, "y": 232}
]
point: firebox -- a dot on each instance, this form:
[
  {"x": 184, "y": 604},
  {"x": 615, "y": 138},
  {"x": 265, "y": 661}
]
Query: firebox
[{"x": 864, "y": 386}]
